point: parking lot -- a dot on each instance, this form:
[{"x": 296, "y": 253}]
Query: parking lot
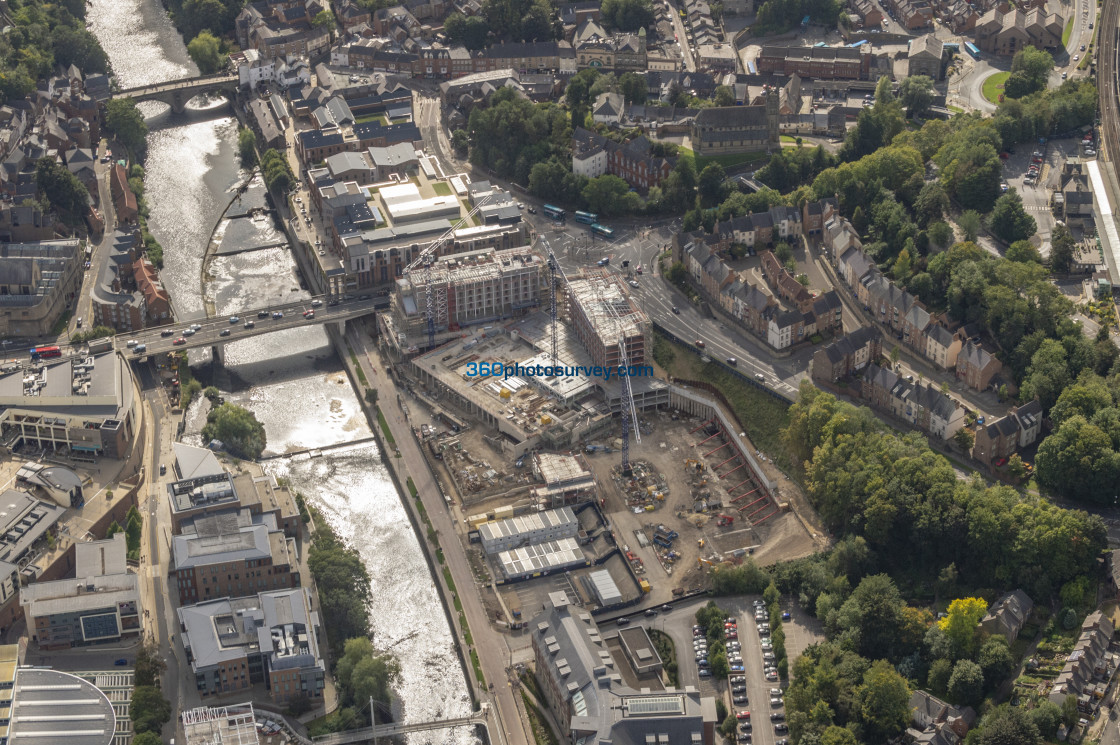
[{"x": 801, "y": 631}]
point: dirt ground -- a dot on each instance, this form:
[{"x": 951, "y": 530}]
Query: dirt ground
[{"x": 667, "y": 447}]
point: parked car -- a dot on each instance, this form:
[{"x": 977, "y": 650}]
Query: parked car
[
  {"x": 781, "y": 727},
  {"x": 743, "y": 715},
  {"x": 740, "y": 699}
]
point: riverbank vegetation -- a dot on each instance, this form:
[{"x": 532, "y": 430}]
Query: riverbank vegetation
[
  {"x": 41, "y": 37},
  {"x": 237, "y": 428},
  {"x": 247, "y": 147},
  {"x": 278, "y": 176},
  {"x": 126, "y": 124}
]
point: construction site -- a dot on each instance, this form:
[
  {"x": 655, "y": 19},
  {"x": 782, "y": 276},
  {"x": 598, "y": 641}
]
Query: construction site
[{"x": 622, "y": 493}]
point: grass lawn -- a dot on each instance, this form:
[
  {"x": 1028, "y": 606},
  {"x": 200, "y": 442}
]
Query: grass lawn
[
  {"x": 1067, "y": 31},
  {"x": 379, "y": 118},
  {"x": 730, "y": 160},
  {"x": 955, "y": 109},
  {"x": 993, "y": 86},
  {"x": 763, "y": 416},
  {"x": 789, "y": 138},
  {"x": 442, "y": 188}
]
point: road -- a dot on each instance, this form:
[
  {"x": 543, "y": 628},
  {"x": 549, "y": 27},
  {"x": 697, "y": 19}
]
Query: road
[
  {"x": 1107, "y": 65},
  {"x": 493, "y": 651},
  {"x": 683, "y": 38},
  {"x": 155, "y": 341}
]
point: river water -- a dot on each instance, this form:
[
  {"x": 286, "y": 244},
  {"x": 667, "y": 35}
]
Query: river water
[{"x": 292, "y": 380}]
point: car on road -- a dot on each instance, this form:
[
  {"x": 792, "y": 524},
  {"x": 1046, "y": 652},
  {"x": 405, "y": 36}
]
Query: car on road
[
  {"x": 1082, "y": 47},
  {"x": 250, "y": 324},
  {"x": 786, "y": 616},
  {"x": 131, "y": 343},
  {"x": 167, "y": 332},
  {"x": 650, "y": 612},
  {"x": 732, "y": 361},
  {"x": 1076, "y": 57},
  {"x": 277, "y": 315},
  {"x": 760, "y": 377},
  {"x": 309, "y": 314},
  {"x": 121, "y": 662},
  {"x": 262, "y": 314},
  {"x": 224, "y": 332},
  {"x": 700, "y": 343},
  {"x": 666, "y": 608},
  {"x": 188, "y": 332},
  {"x": 179, "y": 341},
  {"x": 532, "y": 210},
  {"x": 234, "y": 319},
  {"x": 316, "y": 303},
  {"x": 622, "y": 621},
  {"x": 520, "y": 206},
  {"x": 676, "y": 310},
  {"x": 1065, "y": 75}
]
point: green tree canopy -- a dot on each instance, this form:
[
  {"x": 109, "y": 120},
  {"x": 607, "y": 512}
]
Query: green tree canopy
[
  {"x": 62, "y": 188},
  {"x": 237, "y": 428},
  {"x": 205, "y": 50},
  {"x": 149, "y": 710},
  {"x": 1009, "y": 220},
  {"x": 126, "y": 124}
]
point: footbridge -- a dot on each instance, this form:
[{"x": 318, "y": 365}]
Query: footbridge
[
  {"x": 176, "y": 93},
  {"x": 370, "y": 734},
  {"x": 217, "y": 332}
]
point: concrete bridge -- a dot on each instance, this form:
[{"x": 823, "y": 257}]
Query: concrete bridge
[
  {"x": 176, "y": 93},
  {"x": 217, "y": 332}
]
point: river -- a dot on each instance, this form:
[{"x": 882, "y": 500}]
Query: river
[{"x": 292, "y": 380}]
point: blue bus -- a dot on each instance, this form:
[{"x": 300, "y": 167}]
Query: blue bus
[
  {"x": 972, "y": 50},
  {"x": 602, "y": 230},
  {"x": 554, "y": 212},
  {"x": 587, "y": 218}
]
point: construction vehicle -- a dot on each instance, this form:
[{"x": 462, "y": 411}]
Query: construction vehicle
[
  {"x": 700, "y": 543},
  {"x": 662, "y": 542},
  {"x": 725, "y": 520}
]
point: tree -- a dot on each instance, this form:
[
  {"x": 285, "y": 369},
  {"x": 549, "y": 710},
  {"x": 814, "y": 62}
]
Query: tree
[
  {"x": 147, "y": 738},
  {"x": 970, "y": 224},
  {"x": 470, "y": 32},
  {"x": 723, "y": 96},
  {"x": 940, "y": 233},
  {"x": 205, "y": 50},
  {"x": 627, "y": 15},
  {"x": 1030, "y": 71},
  {"x": 871, "y": 616},
  {"x": 125, "y": 122},
  {"x": 237, "y": 428},
  {"x": 938, "y": 678},
  {"x": 1070, "y": 712},
  {"x": 711, "y": 184},
  {"x": 149, "y": 710},
  {"x": 729, "y": 724},
  {"x": 916, "y": 94},
  {"x": 1023, "y": 252},
  {"x": 114, "y": 528},
  {"x": 460, "y": 141},
  {"x": 1007, "y": 725},
  {"x": 995, "y": 660},
  {"x": 633, "y": 88},
  {"x": 605, "y": 83},
  {"x": 966, "y": 684},
  {"x": 323, "y": 19},
  {"x": 149, "y": 665},
  {"x": 883, "y": 701},
  {"x": 680, "y": 187},
  {"x": 959, "y": 624},
  {"x": 363, "y": 674},
  {"x": 1009, "y": 220},
  {"x": 61, "y": 187},
  {"x": 278, "y": 175},
  {"x": 609, "y": 195},
  {"x": 1047, "y": 717},
  {"x": 932, "y": 201},
  {"x": 1062, "y": 248},
  {"x": 133, "y": 532},
  {"x": 247, "y": 147}
]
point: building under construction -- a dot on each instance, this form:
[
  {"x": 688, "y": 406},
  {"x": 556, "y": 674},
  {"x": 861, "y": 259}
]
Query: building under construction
[
  {"x": 603, "y": 313},
  {"x": 470, "y": 288}
]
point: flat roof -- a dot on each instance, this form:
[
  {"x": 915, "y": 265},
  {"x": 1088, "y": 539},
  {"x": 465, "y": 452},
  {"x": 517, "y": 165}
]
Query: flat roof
[
  {"x": 559, "y": 519},
  {"x": 23, "y": 520},
  {"x": 541, "y": 557},
  {"x": 52, "y": 707}
]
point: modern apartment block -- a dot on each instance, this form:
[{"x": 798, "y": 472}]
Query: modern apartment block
[
  {"x": 221, "y": 556},
  {"x": 270, "y": 638}
]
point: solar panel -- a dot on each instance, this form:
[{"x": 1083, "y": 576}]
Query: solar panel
[
  {"x": 103, "y": 626},
  {"x": 649, "y": 705}
]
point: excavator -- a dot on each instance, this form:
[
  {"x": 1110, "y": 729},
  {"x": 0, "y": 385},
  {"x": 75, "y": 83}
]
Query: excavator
[{"x": 725, "y": 521}]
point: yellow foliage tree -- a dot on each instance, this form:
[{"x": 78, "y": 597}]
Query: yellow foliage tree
[{"x": 960, "y": 623}]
